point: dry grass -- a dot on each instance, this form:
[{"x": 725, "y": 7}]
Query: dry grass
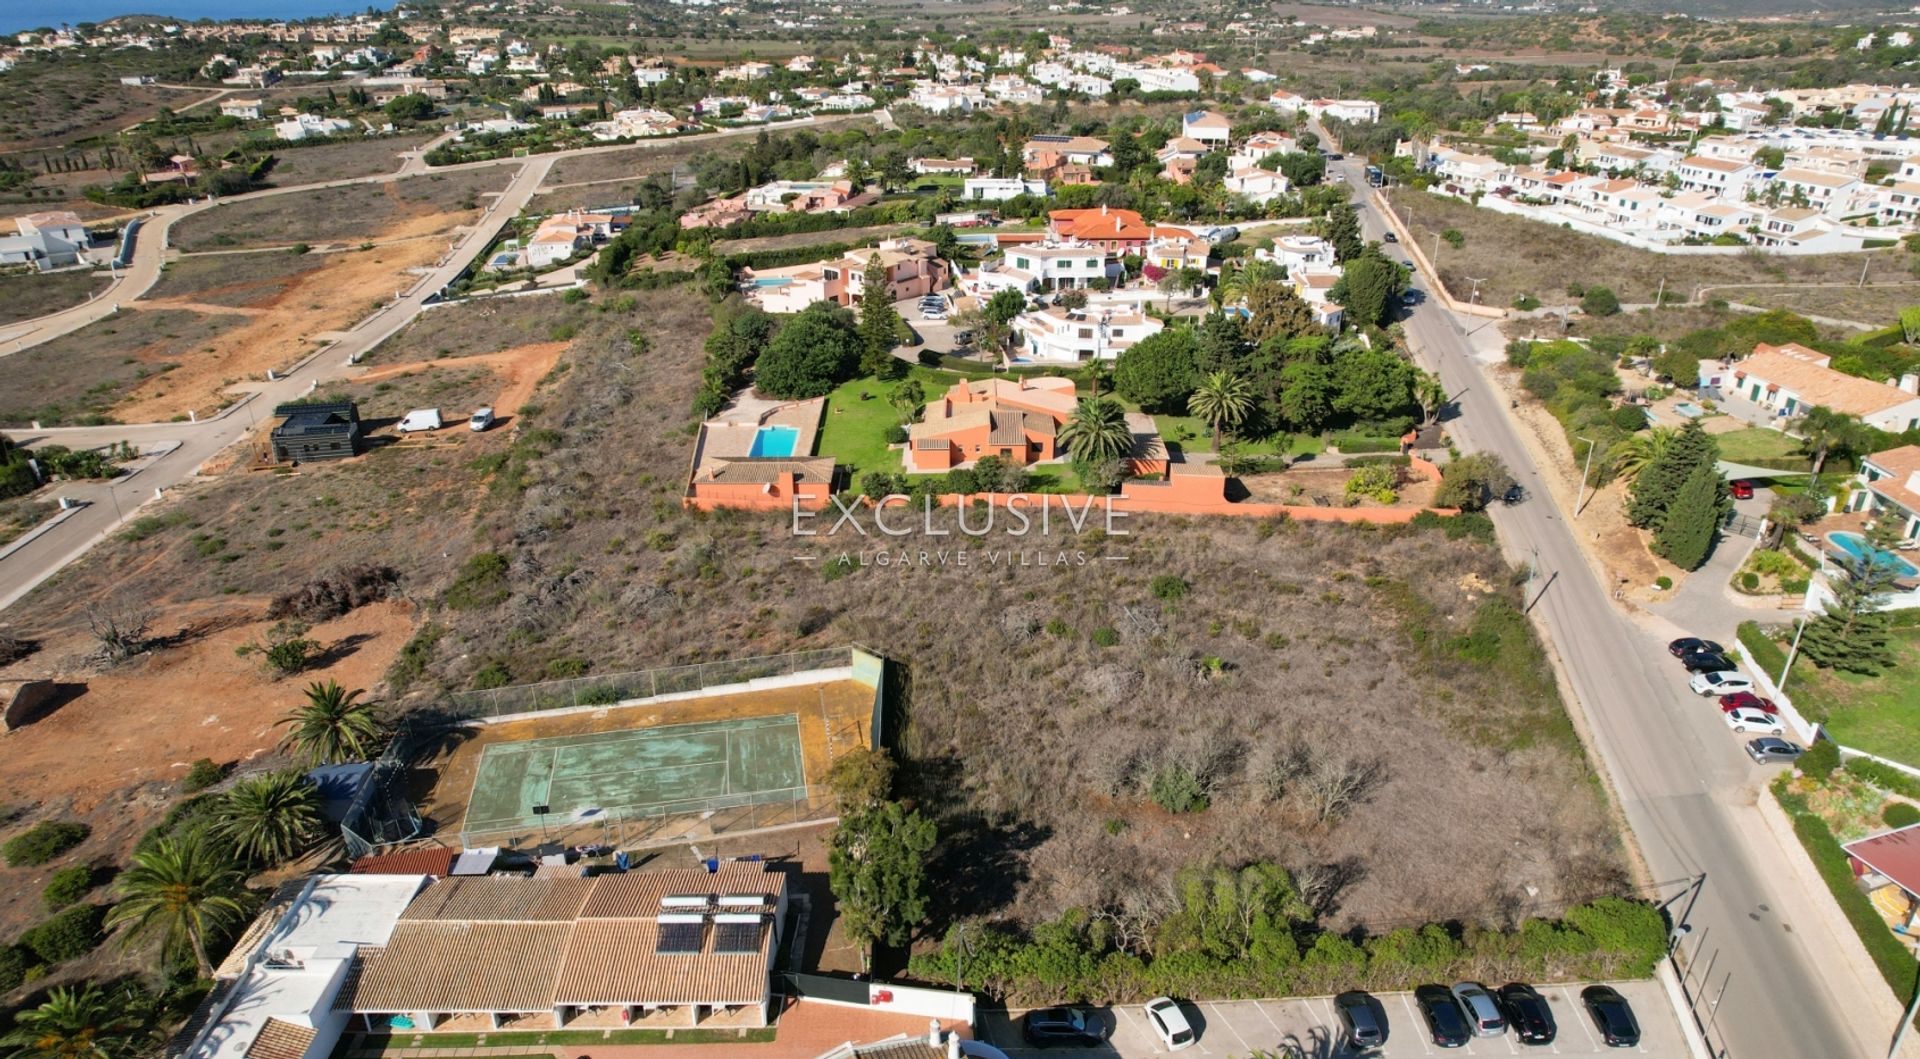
[
  {"x": 1875, "y": 306},
  {"x": 1514, "y": 256},
  {"x": 434, "y": 202},
  {"x": 342, "y": 160},
  {"x": 242, "y": 280},
  {"x": 90, "y": 371},
  {"x": 855, "y": 236},
  {"x": 21, "y": 513},
  {"x": 25, "y": 296},
  {"x": 481, "y": 325}
]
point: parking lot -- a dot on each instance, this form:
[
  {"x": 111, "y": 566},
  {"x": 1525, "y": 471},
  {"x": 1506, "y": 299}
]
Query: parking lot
[{"x": 1242, "y": 1027}]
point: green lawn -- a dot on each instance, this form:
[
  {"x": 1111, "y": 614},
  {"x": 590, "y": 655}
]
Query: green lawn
[
  {"x": 1880, "y": 715},
  {"x": 854, "y": 431},
  {"x": 1757, "y": 443}
]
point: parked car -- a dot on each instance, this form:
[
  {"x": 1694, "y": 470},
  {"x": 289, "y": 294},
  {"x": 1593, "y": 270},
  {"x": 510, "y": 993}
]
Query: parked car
[
  {"x": 1767, "y": 750},
  {"x": 934, "y": 315},
  {"x": 962, "y": 338},
  {"x": 1515, "y": 493},
  {"x": 1391, "y": 238},
  {"x": 1747, "y": 700},
  {"x": 1742, "y": 720},
  {"x": 1528, "y": 1013},
  {"x": 419, "y": 419},
  {"x": 1693, "y": 645},
  {"x": 1706, "y": 662},
  {"x": 481, "y": 419},
  {"x": 1335, "y": 157},
  {"x": 1482, "y": 1013},
  {"x": 1742, "y": 489},
  {"x": 1362, "y": 1019},
  {"x": 1170, "y": 1024},
  {"x": 1445, "y": 1023},
  {"x": 1611, "y": 1015},
  {"x": 1722, "y": 683},
  {"x": 1073, "y": 1026}
]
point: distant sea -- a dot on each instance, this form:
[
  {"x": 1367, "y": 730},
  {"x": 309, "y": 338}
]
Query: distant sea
[{"x": 16, "y": 15}]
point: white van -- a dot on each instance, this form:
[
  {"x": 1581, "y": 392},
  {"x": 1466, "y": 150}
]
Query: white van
[
  {"x": 480, "y": 420},
  {"x": 419, "y": 419}
]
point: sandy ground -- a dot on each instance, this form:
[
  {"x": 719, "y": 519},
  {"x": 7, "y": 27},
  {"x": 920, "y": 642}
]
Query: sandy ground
[
  {"x": 521, "y": 367},
  {"x": 150, "y": 718},
  {"x": 282, "y": 330}
]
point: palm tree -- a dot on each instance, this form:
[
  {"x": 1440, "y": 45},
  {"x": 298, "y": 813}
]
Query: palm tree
[
  {"x": 1097, "y": 371},
  {"x": 1096, "y": 431},
  {"x": 332, "y": 726},
  {"x": 1224, "y": 400},
  {"x": 182, "y": 889},
  {"x": 270, "y": 817},
  {"x": 907, "y": 397},
  {"x": 1632, "y": 455},
  {"x": 78, "y": 1023},
  {"x": 1431, "y": 394},
  {"x": 1824, "y": 430}
]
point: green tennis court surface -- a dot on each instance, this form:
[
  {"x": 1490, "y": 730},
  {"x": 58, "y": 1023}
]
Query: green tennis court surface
[{"x": 683, "y": 767}]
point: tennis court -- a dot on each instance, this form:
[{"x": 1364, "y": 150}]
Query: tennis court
[{"x": 638, "y": 772}]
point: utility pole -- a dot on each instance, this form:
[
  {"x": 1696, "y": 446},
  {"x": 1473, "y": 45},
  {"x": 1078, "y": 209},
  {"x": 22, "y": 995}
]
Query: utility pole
[
  {"x": 1580, "y": 502},
  {"x": 1864, "y": 262},
  {"x": 1475, "y": 299},
  {"x": 1781, "y": 684},
  {"x": 1660, "y": 297}
]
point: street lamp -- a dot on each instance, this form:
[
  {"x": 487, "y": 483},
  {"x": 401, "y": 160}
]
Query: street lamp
[
  {"x": 1781, "y": 684},
  {"x": 1586, "y": 470},
  {"x": 1475, "y": 299}
]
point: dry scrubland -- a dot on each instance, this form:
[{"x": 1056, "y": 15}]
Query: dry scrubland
[
  {"x": 23, "y": 297},
  {"x": 418, "y": 205},
  {"x": 1393, "y": 655},
  {"x": 478, "y": 327},
  {"x": 86, "y": 373},
  {"x": 1513, "y": 256},
  {"x": 342, "y": 160},
  {"x": 1875, "y": 305}
]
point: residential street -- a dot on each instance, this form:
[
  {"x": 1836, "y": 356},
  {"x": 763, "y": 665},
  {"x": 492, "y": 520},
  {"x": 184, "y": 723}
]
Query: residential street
[{"x": 1687, "y": 789}]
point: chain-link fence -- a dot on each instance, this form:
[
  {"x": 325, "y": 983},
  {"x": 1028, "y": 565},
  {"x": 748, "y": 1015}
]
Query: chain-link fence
[
  {"x": 381, "y": 812},
  {"x": 609, "y": 689},
  {"x": 668, "y": 822}
]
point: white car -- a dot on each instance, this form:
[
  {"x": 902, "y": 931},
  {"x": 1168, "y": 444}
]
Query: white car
[
  {"x": 1170, "y": 1024},
  {"x": 1725, "y": 683},
  {"x": 1751, "y": 720}
]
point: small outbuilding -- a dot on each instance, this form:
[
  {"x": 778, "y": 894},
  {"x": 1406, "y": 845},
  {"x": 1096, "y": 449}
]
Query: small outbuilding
[{"x": 324, "y": 430}]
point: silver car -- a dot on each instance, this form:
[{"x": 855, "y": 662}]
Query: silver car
[{"x": 1481, "y": 1011}]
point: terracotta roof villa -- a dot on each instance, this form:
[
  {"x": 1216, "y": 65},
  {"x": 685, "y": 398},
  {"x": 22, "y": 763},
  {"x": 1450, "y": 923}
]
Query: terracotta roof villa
[
  {"x": 643, "y": 949},
  {"x": 1012, "y": 418},
  {"x": 1788, "y": 379}
]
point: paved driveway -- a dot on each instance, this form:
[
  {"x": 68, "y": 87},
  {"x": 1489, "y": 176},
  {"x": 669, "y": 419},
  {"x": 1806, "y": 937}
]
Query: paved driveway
[{"x": 1240, "y": 1028}]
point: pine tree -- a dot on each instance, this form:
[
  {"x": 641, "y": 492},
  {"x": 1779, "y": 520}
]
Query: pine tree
[
  {"x": 1854, "y": 633},
  {"x": 1660, "y": 481},
  {"x": 878, "y": 324},
  {"x": 1686, "y": 532}
]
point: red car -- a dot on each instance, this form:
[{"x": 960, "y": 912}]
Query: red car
[
  {"x": 1746, "y": 700},
  {"x": 1742, "y": 489}
]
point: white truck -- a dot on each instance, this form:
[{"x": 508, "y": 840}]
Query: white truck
[{"x": 419, "y": 419}]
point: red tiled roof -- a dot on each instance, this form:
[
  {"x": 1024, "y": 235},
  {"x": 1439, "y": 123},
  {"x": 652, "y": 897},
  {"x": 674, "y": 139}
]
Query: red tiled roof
[
  {"x": 1895, "y": 855},
  {"x": 281, "y": 1040},
  {"x": 428, "y": 860}
]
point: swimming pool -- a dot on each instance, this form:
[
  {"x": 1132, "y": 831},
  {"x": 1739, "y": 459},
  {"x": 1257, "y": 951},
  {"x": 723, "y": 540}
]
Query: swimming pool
[
  {"x": 772, "y": 281},
  {"x": 774, "y": 441},
  {"x": 1856, "y": 547}
]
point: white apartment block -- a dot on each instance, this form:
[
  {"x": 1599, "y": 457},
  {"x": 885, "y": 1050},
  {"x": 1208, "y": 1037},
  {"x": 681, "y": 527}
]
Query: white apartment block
[
  {"x": 1722, "y": 176},
  {"x": 1072, "y": 336}
]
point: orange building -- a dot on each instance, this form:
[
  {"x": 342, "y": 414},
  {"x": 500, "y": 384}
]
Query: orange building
[{"x": 1015, "y": 419}]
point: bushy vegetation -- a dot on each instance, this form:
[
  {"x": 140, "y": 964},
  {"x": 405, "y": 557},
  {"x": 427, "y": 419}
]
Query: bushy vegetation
[
  {"x": 43, "y": 842},
  {"x": 67, "y": 886},
  {"x": 67, "y": 935},
  {"x": 1889, "y": 954},
  {"x": 1251, "y": 932}
]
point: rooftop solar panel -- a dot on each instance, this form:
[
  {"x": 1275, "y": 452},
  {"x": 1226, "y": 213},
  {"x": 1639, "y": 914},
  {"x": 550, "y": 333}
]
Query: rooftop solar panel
[
  {"x": 737, "y": 934},
  {"x": 679, "y": 934}
]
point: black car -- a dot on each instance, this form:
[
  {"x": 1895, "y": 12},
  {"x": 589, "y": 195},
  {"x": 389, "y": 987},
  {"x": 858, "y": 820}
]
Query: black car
[
  {"x": 1074, "y": 1026},
  {"x": 1611, "y": 1016},
  {"x": 1693, "y": 645},
  {"x": 1708, "y": 662},
  {"x": 1391, "y": 238},
  {"x": 1336, "y": 156},
  {"x": 1363, "y": 1019},
  {"x": 1528, "y": 1013},
  {"x": 1444, "y": 1020},
  {"x": 1514, "y": 494}
]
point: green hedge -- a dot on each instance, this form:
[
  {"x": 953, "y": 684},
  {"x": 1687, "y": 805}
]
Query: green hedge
[
  {"x": 1904, "y": 618},
  {"x": 1761, "y": 649},
  {"x": 1352, "y": 443},
  {"x": 1889, "y": 954},
  {"x": 43, "y": 842},
  {"x": 67, "y": 936},
  {"x": 1885, "y": 777}
]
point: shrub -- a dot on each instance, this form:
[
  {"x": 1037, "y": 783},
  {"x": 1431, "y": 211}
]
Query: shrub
[
  {"x": 1750, "y": 581},
  {"x": 333, "y": 595},
  {"x": 68, "y": 935},
  {"x": 1900, "y": 814},
  {"x": 1761, "y": 649},
  {"x": 67, "y": 885},
  {"x": 201, "y": 775},
  {"x": 1884, "y": 777},
  {"x": 1177, "y": 790},
  {"x": 1888, "y": 952},
  {"x": 482, "y": 582},
  {"x": 896, "y": 434},
  {"x": 289, "y": 651},
  {"x": 1169, "y": 587},
  {"x": 1526, "y": 302},
  {"x": 492, "y": 675},
  {"x": 13, "y": 967},
  {"x": 1630, "y": 418},
  {"x": 1375, "y": 482},
  {"x": 1599, "y": 301},
  {"x": 1663, "y": 582},
  {"x": 1820, "y": 759},
  {"x": 43, "y": 842},
  {"x": 1105, "y": 637}
]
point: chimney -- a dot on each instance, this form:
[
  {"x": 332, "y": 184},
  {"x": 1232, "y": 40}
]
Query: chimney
[
  {"x": 953, "y": 1046},
  {"x": 1910, "y": 382},
  {"x": 933, "y": 1033}
]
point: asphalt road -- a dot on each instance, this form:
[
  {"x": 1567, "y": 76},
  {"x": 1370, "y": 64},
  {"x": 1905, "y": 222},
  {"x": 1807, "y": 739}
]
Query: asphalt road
[{"x": 1687, "y": 789}]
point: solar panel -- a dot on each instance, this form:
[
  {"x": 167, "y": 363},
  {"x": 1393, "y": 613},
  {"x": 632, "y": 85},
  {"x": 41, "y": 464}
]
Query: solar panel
[
  {"x": 736, "y": 934},
  {"x": 744, "y": 900},
  {"x": 679, "y": 934}
]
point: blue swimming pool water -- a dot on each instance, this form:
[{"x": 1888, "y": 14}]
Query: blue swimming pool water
[
  {"x": 1856, "y": 546},
  {"x": 772, "y": 281},
  {"x": 774, "y": 441}
]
